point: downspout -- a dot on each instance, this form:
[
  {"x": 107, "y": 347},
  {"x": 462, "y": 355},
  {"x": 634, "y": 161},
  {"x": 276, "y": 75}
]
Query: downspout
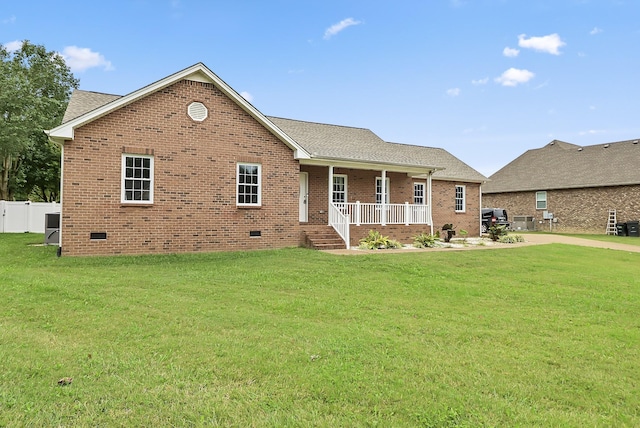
[{"x": 60, "y": 234}]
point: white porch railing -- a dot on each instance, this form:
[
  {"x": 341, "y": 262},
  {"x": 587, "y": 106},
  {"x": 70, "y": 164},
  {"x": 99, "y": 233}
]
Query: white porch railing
[
  {"x": 341, "y": 215},
  {"x": 340, "y": 223},
  {"x": 383, "y": 214}
]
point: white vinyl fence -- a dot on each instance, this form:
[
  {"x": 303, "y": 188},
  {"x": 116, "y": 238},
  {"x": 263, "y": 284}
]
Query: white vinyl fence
[{"x": 25, "y": 216}]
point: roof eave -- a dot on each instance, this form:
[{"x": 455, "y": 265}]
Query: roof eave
[{"x": 377, "y": 165}]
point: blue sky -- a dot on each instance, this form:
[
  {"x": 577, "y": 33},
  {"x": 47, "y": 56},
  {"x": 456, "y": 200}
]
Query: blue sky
[{"x": 484, "y": 79}]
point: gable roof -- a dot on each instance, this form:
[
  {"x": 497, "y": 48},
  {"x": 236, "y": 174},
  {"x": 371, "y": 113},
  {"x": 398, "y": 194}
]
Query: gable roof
[
  {"x": 198, "y": 72},
  {"x": 314, "y": 143},
  {"x": 561, "y": 165}
]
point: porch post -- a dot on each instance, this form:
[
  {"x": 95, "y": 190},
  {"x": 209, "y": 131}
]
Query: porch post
[
  {"x": 429, "y": 201},
  {"x": 383, "y": 213},
  {"x": 407, "y": 214},
  {"x": 330, "y": 201}
]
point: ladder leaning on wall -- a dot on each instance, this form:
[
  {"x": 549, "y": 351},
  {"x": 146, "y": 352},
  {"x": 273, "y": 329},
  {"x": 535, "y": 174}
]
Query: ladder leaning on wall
[{"x": 612, "y": 228}]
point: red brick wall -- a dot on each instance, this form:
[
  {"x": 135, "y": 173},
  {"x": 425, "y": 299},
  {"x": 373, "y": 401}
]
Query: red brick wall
[
  {"x": 443, "y": 211},
  {"x": 583, "y": 210},
  {"x": 194, "y": 205}
]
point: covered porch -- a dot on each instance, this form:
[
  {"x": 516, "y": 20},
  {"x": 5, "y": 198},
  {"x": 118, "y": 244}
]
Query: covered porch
[{"x": 351, "y": 197}]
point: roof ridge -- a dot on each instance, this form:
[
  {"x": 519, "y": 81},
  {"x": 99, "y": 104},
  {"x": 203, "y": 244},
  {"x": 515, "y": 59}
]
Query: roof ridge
[{"x": 319, "y": 123}]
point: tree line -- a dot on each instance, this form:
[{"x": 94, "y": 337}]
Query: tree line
[{"x": 35, "y": 87}]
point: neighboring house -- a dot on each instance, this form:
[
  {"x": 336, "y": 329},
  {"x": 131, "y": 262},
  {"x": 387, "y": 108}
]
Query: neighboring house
[
  {"x": 577, "y": 185},
  {"x": 186, "y": 164}
]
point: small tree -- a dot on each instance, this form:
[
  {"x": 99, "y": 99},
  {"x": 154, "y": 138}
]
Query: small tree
[{"x": 35, "y": 86}]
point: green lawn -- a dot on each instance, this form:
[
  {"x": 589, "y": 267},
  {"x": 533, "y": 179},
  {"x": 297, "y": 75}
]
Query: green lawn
[{"x": 543, "y": 335}]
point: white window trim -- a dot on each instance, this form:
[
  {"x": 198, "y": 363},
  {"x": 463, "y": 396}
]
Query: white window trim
[
  {"x": 424, "y": 193},
  {"x": 151, "y": 180},
  {"x": 464, "y": 199},
  {"x": 346, "y": 187},
  {"x": 259, "y": 184},
  {"x": 387, "y": 188},
  {"x": 540, "y": 200}
]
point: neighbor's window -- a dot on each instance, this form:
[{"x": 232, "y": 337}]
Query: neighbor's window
[
  {"x": 379, "y": 190},
  {"x": 137, "y": 179},
  {"x": 249, "y": 184},
  {"x": 460, "y": 196},
  {"x": 541, "y": 200},
  {"x": 339, "y": 189},
  {"x": 418, "y": 194}
]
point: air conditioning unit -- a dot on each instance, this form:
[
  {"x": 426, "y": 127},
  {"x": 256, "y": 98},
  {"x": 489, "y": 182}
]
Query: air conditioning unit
[{"x": 52, "y": 229}]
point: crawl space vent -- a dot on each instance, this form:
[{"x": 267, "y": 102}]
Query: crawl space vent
[{"x": 197, "y": 111}]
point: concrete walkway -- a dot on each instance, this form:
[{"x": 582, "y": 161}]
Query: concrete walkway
[{"x": 530, "y": 239}]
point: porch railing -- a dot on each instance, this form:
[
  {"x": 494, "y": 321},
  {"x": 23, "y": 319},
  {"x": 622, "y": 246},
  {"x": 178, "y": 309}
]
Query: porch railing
[
  {"x": 365, "y": 213},
  {"x": 340, "y": 222}
]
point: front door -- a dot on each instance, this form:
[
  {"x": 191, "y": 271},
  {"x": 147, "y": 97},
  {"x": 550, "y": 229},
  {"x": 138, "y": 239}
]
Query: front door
[{"x": 304, "y": 197}]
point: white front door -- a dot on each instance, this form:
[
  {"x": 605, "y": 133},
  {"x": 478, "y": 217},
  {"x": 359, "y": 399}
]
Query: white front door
[{"x": 304, "y": 197}]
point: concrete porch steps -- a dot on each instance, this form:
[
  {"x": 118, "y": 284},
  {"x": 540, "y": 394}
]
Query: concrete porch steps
[{"x": 323, "y": 238}]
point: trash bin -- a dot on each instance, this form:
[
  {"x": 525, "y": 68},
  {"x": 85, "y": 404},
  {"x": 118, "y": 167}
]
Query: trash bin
[
  {"x": 622, "y": 229},
  {"x": 633, "y": 228}
]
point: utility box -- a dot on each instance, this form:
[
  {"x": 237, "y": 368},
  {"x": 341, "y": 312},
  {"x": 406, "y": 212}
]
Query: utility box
[
  {"x": 52, "y": 229},
  {"x": 522, "y": 222},
  {"x": 622, "y": 229}
]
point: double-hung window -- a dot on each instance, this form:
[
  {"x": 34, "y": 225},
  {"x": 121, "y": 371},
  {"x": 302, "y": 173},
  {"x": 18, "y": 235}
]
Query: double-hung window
[
  {"x": 379, "y": 190},
  {"x": 249, "y": 183},
  {"x": 460, "y": 203},
  {"x": 137, "y": 179},
  {"x": 339, "y": 194},
  {"x": 418, "y": 194},
  {"x": 541, "y": 200}
]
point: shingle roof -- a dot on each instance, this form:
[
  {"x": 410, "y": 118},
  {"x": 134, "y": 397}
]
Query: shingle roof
[
  {"x": 326, "y": 141},
  {"x": 343, "y": 142},
  {"x": 82, "y": 102},
  {"x": 560, "y": 165}
]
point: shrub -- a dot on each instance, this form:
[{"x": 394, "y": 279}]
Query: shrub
[
  {"x": 511, "y": 239},
  {"x": 496, "y": 231},
  {"x": 375, "y": 241},
  {"x": 425, "y": 240}
]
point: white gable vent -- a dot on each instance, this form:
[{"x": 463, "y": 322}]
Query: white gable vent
[{"x": 197, "y": 111}]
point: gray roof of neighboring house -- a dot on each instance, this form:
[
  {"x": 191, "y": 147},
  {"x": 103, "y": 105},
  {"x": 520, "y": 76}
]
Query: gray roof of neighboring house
[
  {"x": 560, "y": 165},
  {"x": 330, "y": 142}
]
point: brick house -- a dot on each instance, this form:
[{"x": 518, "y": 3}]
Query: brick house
[
  {"x": 186, "y": 164},
  {"x": 578, "y": 185}
]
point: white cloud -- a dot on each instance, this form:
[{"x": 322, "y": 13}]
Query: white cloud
[
  {"x": 453, "y": 92},
  {"x": 592, "y": 107},
  {"x": 81, "y": 59},
  {"x": 9, "y": 20},
  {"x": 510, "y": 52},
  {"x": 480, "y": 81},
  {"x": 336, "y": 28},
  {"x": 246, "y": 95},
  {"x": 592, "y": 132},
  {"x": 514, "y": 77},
  {"x": 549, "y": 44},
  {"x": 595, "y": 31},
  {"x": 13, "y": 46}
]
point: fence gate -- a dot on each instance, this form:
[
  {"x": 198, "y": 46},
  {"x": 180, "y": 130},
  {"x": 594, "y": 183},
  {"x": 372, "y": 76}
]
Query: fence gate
[{"x": 25, "y": 216}]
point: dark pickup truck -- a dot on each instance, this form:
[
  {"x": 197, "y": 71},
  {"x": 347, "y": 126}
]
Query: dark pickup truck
[{"x": 491, "y": 216}]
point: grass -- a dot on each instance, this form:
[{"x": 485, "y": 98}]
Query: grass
[{"x": 531, "y": 336}]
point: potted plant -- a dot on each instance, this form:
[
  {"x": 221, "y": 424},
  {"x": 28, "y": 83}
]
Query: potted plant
[{"x": 448, "y": 228}]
